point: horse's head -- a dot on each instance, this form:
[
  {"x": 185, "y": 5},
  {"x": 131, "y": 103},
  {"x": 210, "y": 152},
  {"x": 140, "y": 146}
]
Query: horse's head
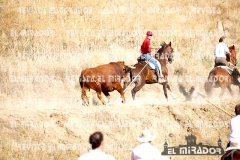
[
  {"x": 233, "y": 57},
  {"x": 165, "y": 52}
]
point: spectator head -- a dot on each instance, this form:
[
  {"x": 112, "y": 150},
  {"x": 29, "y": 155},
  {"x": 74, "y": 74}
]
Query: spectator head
[
  {"x": 222, "y": 39},
  {"x": 96, "y": 140},
  {"x": 237, "y": 109},
  {"x": 146, "y": 136}
]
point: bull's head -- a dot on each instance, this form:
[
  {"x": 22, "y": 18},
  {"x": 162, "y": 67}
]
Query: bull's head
[
  {"x": 126, "y": 68},
  {"x": 130, "y": 66},
  {"x": 126, "y": 76}
]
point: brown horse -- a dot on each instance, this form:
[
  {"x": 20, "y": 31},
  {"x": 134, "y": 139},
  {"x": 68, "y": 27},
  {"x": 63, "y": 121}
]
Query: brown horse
[
  {"x": 219, "y": 77},
  {"x": 144, "y": 75},
  {"x": 231, "y": 155}
]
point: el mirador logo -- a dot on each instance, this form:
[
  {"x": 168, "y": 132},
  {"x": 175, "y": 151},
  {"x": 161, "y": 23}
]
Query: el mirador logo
[{"x": 191, "y": 148}]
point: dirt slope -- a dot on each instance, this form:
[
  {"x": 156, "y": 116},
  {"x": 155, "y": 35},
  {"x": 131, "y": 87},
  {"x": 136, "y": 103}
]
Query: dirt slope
[{"x": 53, "y": 133}]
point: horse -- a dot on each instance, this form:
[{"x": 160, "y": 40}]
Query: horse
[
  {"x": 219, "y": 77},
  {"x": 144, "y": 75},
  {"x": 231, "y": 155}
]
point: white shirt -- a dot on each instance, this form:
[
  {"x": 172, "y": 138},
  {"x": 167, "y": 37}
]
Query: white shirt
[
  {"x": 235, "y": 129},
  {"x": 96, "y": 155},
  {"x": 221, "y": 50},
  {"x": 146, "y": 151}
]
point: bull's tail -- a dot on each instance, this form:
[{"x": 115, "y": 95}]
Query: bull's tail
[
  {"x": 85, "y": 90},
  {"x": 81, "y": 80},
  {"x": 81, "y": 85},
  {"x": 208, "y": 86}
]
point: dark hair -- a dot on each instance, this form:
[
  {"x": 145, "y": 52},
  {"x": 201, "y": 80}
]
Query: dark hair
[
  {"x": 222, "y": 39},
  {"x": 95, "y": 139},
  {"x": 237, "y": 109}
]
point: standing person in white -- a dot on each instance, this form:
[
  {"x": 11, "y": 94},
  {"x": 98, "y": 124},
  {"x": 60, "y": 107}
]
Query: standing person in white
[
  {"x": 145, "y": 151},
  {"x": 97, "y": 143},
  {"x": 234, "y": 138}
]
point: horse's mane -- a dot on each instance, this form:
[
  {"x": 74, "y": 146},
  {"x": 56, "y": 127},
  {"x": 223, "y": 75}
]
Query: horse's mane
[
  {"x": 233, "y": 48},
  {"x": 160, "y": 51}
]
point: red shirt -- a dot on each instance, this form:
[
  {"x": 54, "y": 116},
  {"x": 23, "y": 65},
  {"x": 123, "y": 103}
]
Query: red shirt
[{"x": 145, "y": 46}]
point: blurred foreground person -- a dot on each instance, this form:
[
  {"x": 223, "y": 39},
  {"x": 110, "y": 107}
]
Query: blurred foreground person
[
  {"x": 235, "y": 128},
  {"x": 145, "y": 151},
  {"x": 233, "y": 148},
  {"x": 97, "y": 143}
]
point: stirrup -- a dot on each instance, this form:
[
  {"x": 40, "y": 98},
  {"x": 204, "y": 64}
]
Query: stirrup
[{"x": 161, "y": 80}]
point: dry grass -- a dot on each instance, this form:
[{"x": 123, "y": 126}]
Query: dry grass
[{"x": 39, "y": 74}]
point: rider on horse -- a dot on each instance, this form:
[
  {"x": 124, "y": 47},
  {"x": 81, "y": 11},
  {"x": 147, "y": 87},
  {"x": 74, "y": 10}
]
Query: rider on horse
[
  {"x": 221, "y": 51},
  {"x": 146, "y": 53}
]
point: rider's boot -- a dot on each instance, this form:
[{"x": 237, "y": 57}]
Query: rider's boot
[{"x": 160, "y": 77}]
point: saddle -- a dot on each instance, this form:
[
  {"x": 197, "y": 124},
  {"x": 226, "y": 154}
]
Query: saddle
[
  {"x": 143, "y": 60},
  {"x": 228, "y": 69}
]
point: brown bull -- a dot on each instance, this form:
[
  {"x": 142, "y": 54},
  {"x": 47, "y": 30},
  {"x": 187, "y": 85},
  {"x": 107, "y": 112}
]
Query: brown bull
[{"x": 104, "y": 78}]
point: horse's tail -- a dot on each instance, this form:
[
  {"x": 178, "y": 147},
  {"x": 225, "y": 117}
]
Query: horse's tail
[{"x": 208, "y": 85}]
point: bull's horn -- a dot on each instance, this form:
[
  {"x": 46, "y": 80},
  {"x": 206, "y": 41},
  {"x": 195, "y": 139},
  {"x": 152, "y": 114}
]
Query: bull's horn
[{"x": 132, "y": 67}]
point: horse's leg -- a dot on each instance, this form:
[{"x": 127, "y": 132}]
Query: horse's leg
[
  {"x": 208, "y": 89},
  {"x": 173, "y": 95},
  {"x": 230, "y": 90},
  {"x": 223, "y": 88},
  {"x": 138, "y": 86},
  {"x": 125, "y": 85},
  {"x": 208, "y": 85},
  {"x": 165, "y": 90}
]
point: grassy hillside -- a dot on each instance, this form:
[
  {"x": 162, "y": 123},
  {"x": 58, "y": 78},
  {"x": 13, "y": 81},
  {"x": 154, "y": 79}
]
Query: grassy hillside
[{"x": 44, "y": 45}]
